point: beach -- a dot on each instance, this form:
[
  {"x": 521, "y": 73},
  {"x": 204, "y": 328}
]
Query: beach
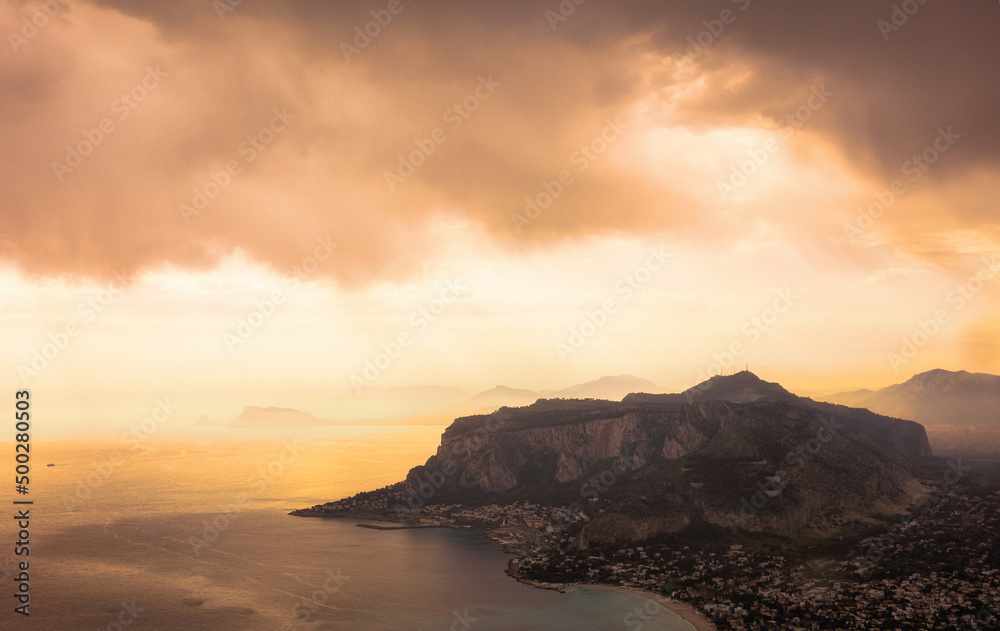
[{"x": 686, "y": 612}]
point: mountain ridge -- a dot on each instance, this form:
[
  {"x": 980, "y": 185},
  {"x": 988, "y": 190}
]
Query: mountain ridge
[
  {"x": 934, "y": 397},
  {"x": 692, "y": 457}
]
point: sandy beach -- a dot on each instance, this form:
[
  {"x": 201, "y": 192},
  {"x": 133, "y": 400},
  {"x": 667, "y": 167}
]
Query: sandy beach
[{"x": 686, "y": 612}]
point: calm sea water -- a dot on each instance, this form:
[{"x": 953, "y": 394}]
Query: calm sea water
[{"x": 194, "y": 535}]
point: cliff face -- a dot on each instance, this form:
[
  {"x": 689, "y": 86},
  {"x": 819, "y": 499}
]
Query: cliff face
[
  {"x": 658, "y": 463},
  {"x": 500, "y": 460}
]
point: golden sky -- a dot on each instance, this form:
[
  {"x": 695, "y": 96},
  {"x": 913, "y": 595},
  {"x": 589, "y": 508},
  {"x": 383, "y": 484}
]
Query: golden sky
[{"x": 262, "y": 203}]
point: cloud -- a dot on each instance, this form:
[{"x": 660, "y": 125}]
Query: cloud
[{"x": 206, "y": 136}]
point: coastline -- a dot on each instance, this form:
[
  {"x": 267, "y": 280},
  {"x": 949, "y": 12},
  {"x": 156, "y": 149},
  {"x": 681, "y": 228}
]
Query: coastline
[
  {"x": 384, "y": 519},
  {"x": 691, "y": 616},
  {"x": 694, "y": 618}
]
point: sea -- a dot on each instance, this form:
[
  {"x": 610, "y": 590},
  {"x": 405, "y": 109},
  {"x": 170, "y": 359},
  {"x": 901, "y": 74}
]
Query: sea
[{"x": 193, "y": 533}]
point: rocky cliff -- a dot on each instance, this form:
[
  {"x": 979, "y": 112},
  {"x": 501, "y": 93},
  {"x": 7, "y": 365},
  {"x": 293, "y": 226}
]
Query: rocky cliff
[{"x": 734, "y": 451}]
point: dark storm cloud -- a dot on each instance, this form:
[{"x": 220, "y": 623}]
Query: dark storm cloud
[{"x": 324, "y": 171}]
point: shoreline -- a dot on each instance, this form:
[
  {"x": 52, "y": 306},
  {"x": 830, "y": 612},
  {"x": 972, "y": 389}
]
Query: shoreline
[
  {"x": 688, "y": 614},
  {"x": 386, "y": 519},
  {"x": 694, "y": 618},
  {"x": 396, "y": 525}
]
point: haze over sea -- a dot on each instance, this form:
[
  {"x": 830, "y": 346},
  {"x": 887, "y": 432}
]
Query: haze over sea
[{"x": 110, "y": 531}]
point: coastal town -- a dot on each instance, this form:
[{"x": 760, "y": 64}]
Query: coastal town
[{"x": 938, "y": 570}]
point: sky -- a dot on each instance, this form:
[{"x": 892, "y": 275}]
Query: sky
[{"x": 237, "y": 203}]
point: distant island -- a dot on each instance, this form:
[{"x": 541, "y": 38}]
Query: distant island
[
  {"x": 422, "y": 405},
  {"x": 756, "y": 506}
]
